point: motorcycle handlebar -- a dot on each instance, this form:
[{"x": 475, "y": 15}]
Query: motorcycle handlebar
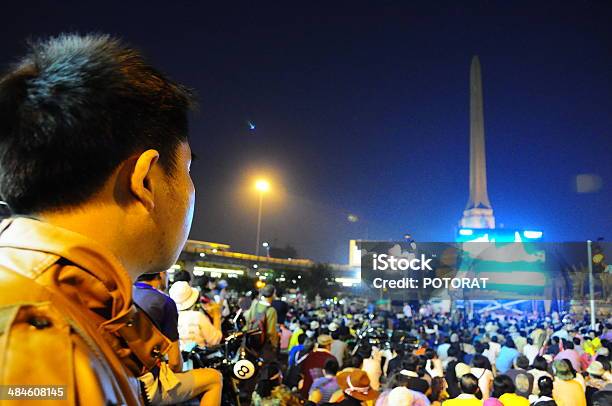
[
  {"x": 240, "y": 334},
  {"x": 234, "y": 336}
]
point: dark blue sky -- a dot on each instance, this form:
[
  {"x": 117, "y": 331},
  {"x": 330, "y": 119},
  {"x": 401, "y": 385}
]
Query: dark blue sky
[{"x": 363, "y": 109}]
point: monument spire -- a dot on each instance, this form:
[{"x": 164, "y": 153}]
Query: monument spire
[{"x": 478, "y": 212}]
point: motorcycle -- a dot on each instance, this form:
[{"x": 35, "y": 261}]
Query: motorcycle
[{"x": 233, "y": 358}]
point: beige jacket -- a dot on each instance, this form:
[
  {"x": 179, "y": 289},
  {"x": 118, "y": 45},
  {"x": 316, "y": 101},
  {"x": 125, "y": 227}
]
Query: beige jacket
[{"x": 66, "y": 317}]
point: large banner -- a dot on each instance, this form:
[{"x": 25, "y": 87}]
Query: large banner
[{"x": 483, "y": 270}]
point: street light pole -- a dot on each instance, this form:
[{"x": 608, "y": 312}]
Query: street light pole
[
  {"x": 591, "y": 285},
  {"x": 259, "y": 221},
  {"x": 262, "y": 187}
]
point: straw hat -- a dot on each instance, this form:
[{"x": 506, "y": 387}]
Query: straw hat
[
  {"x": 596, "y": 368},
  {"x": 183, "y": 295},
  {"x": 324, "y": 340}
]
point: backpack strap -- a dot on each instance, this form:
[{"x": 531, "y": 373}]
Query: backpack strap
[{"x": 299, "y": 360}]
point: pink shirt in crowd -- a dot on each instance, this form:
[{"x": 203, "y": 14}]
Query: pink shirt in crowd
[{"x": 572, "y": 356}]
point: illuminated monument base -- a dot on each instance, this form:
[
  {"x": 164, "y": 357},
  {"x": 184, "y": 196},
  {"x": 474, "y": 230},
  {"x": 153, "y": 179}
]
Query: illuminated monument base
[
  {"x": 478, "y": 218},
  {"x": 497, "y": 235}
]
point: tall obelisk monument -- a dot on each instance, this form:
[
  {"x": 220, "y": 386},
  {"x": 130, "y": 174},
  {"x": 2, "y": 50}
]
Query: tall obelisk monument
[{"x": 478, "y": 213}]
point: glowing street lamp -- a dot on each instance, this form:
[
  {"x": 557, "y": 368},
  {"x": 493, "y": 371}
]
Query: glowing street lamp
[
  {"x": 263, "y": 186},
  {"x": 266, "y": 245}
]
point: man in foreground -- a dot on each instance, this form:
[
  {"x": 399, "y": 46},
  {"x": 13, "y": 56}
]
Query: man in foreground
[{"x": 94, "y": 165}]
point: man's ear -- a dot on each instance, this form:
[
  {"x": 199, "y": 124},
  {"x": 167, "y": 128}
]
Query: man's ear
[{"x": 141, "y": 184}]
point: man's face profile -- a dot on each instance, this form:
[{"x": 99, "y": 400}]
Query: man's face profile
[{"x": 174, "y": 205}]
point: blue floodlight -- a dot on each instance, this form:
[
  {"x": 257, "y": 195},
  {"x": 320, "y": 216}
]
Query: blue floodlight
[
  {"x": 532, "y": 234},
  {"x": 466, "y": 231}
]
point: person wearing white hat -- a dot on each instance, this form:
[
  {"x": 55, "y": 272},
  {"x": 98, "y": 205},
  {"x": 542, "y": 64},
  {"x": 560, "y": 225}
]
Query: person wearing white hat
[
  {"x": 194, "y": 327},
  {"x": 595, "y": 380},
  {"x": 400, "y": 396}
]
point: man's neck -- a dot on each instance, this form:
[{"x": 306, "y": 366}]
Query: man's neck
[{"x": 101, "y": 223}]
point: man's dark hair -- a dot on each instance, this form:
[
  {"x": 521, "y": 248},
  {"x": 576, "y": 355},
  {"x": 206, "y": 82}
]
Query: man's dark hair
[
  {"x": 301, "y": 338},
  {"x": 354, "y": 362},
  {"x": 365, "y": 351},
  {"x": 480, "y": 361},
  {"x": 147, "y": 277},
  {"x": 545, "y": 383},
  {"x": 411, "y": 363},
  {"x": 468, "y": 384},
  {"x": 452, "y": 352},
  {"x": 502, "y": 384},
  {"x": 331, "y": 366},
  {"x": 183, "y": 276},
  {"x": 201, "y": 282},
  {"x": 397, "y": 379},
  {"x": 510, "y": 342},
  {"x": 539, "y": 363},
  {"x": 602, "y": 398},
  {"x": 605, "y": 362},
  {"x": 479, "y": 347},
  {"x": 75, "y": 107},
  {"x": 522, "y": 362}
]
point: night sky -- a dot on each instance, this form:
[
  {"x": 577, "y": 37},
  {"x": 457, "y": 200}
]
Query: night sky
[{"x": 363, "y": 110}]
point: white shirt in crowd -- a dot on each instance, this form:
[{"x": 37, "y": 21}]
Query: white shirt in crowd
[
  {"x": 443, "y": 351},
  {"x": 434, "y": 368},
  {"x": 492, "y": 352},
  {"x": 407, "y": 311},
  {"x": 530, "y": 351},
  {"x": 195, "y": 327},
  {"x": 485, "y": 381}
]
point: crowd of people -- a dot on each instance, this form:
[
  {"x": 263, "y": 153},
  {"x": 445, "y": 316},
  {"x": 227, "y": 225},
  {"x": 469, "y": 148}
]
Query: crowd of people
[{"x": 347, "y": 353}]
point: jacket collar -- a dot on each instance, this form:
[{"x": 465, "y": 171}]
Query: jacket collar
[{"x": 32, "y": 234}]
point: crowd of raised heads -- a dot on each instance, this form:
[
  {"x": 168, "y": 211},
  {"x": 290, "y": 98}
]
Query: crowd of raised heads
[{"x": 350, "y": 351}]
